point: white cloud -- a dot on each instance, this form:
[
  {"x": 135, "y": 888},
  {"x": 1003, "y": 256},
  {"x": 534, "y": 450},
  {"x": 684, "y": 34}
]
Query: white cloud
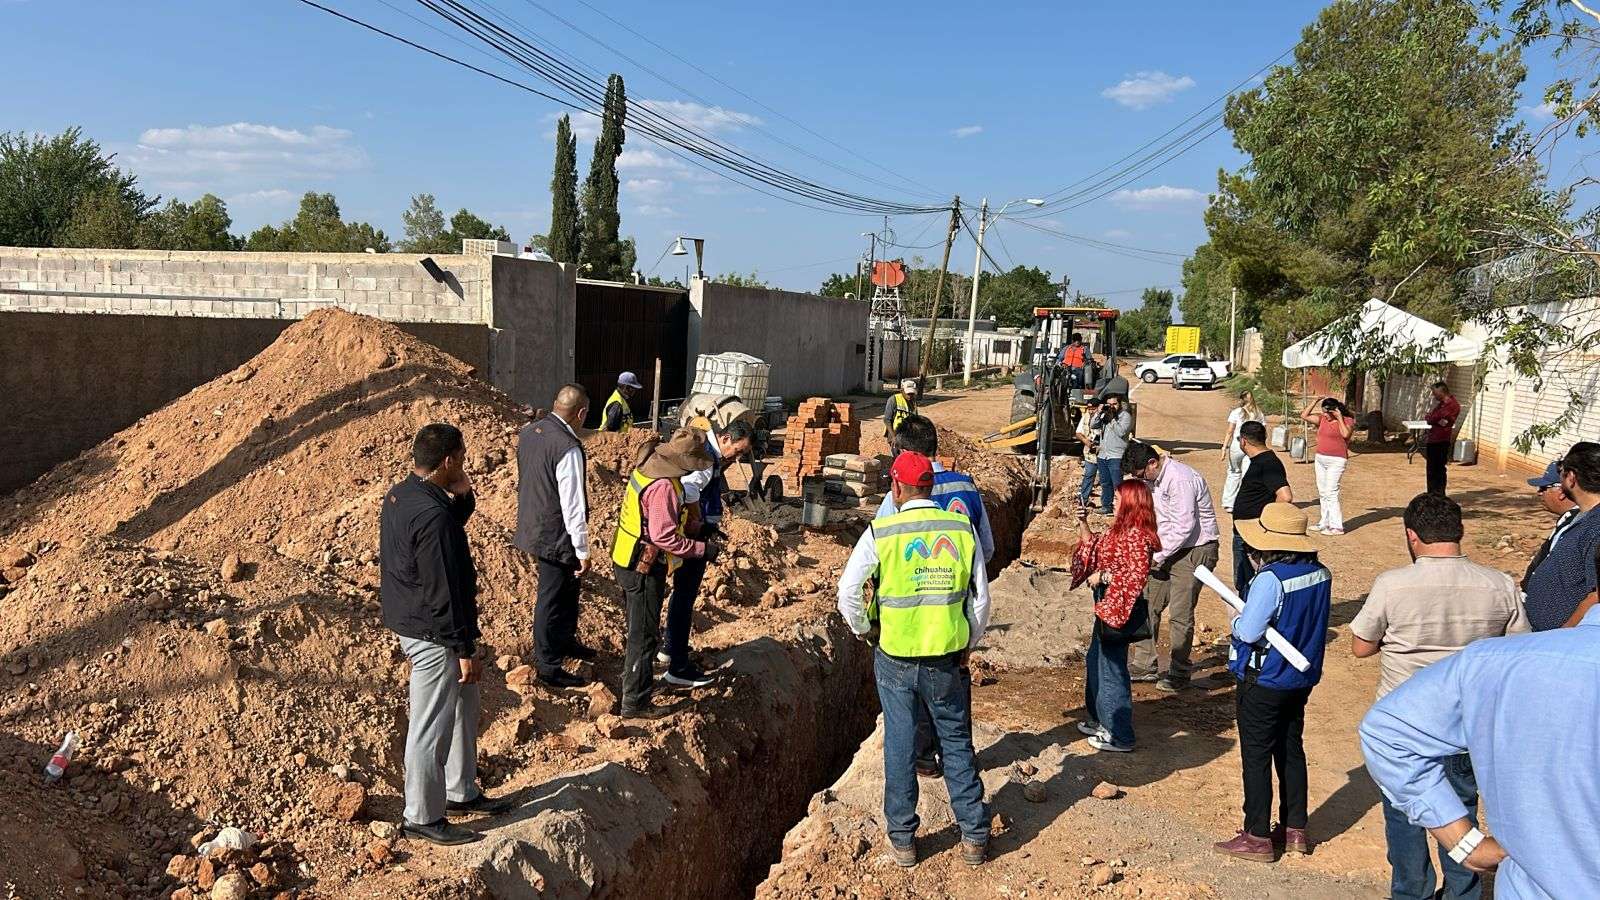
[
  {"x": 242, "y": 154},
  {"x": 1143, "y": 90},
  {"x": 585, "y": 128},
  {"x": 1118, "y": 234},
  {"x": 967, "y": 131},
  {"x": 702, "y": 118},
  {"x": 651, "y": 209},
  {"x": 1544, "y": 112},
  {"x": 646, "y": 186},
  {"x": 267, "y": 196},
  {"x": 649, "y": 161},
  {"x": 1158, "y": 197}
]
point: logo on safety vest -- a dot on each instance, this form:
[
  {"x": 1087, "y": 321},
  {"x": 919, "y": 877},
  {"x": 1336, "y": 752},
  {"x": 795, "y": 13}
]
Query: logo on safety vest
[
  {"x": 942, "y": 545},
  {"x": 959, "y": 506}
]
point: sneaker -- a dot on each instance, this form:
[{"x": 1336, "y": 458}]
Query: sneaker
[
  {"x": 1104, "y": 744},
  {"x": 1169, "y": 685},
  {"x": 1316, "y": 527},
  {"x": 974, "y": 854},
  {"x": 687, "y": 677},
  {"x": 663, "y": 658},
  {"x": 1247, "y": 846},
  {"x": 1292, "y": 840},
  {"x": 1090, "y": 727},
  {"x": 440, "y": 832},
  {"x": 1146, "y": 678},
  {"x": 904, "y": 857},
  {"x": 1332, "y": 532}
]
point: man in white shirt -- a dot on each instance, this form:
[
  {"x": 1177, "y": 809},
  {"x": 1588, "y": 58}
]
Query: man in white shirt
[{"x": 553, "y": 527}]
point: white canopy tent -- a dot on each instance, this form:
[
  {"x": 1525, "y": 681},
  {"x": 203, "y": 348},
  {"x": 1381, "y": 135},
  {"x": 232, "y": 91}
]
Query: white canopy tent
[{"x": 1395, "y": 328}]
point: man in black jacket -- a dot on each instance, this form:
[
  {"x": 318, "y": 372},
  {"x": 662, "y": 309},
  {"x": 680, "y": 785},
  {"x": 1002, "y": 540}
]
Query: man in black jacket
[
  {"x": 553, "y": 528},
  {"x": 430, "y": 591}
]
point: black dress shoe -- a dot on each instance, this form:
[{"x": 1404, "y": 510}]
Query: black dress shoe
[
  {"x": 561, "y": 678},
  {"x": 580, "y": 651},
  {"x": 440, "y": 832},
  {"x": 482, "y": 803}
]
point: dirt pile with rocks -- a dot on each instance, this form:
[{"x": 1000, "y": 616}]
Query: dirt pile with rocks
[{"x": 196, "y": 596}]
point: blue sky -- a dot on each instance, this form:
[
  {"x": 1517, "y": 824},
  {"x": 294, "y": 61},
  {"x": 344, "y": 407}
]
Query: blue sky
[{"x": 259, "y": 101}]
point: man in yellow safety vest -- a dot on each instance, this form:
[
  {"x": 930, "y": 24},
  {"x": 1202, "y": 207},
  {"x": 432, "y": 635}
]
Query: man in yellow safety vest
[
  {"x": 652, "y": 540},
  {"x": 900, "y": 407},
  {"x": 617, "y": 415},
  {"x": 930, "y": 607}
]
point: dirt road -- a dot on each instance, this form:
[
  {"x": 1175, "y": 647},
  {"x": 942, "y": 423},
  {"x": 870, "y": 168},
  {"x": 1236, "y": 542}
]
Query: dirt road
[{"x": 1182, "y": 788}]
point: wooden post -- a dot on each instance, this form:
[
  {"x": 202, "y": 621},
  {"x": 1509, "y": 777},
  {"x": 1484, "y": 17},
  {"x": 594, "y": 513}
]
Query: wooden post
[{"x": 655, "y": 398}]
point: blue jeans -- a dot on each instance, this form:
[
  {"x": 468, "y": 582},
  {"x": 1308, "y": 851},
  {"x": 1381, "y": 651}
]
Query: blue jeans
[
  {"x": 1108, "y": 694},
  {"x": 1410, "y": 857},
  {"x": 944, "y": 687},
  {"x": 1110, "y": 468},
  {"x": 1243, "y": 572},
  {"x": 1090, "y": 470}
]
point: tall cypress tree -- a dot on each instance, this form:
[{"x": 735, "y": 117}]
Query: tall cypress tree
[
  {"x": 602, "y": 247},
  {"x": 564, "y": 227}
]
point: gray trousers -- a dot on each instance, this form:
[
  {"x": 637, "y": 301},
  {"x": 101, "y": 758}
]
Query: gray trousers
[
  {"x": 1173, "y": 590},
  {"x": 442, "y": 738}
]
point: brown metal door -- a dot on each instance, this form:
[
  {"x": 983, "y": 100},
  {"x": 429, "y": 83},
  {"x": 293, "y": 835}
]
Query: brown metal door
[{"x": 624, "y": 328}]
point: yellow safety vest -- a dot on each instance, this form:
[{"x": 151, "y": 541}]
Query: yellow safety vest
[
  {"x": 902, "y": 411},
  {"x": 925, "y": 558},
  {"x": 627, "y": 411},
  {"x": 630, "y": 522}
]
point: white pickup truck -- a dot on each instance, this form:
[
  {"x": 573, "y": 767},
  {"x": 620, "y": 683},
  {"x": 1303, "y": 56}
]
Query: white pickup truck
[{"x": 1154, "y": 370}]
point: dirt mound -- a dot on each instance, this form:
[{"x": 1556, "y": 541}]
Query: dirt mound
[{"x": 197, "y": 597}]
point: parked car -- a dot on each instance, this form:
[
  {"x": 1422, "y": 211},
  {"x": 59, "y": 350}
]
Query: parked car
[
  {"x": 1161, "y": 369},
  {"x": 1192, "y": 371}
]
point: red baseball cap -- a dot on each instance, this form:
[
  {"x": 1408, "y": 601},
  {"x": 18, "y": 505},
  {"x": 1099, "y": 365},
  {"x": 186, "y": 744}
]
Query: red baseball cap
[{"x": 912, "y": 469}]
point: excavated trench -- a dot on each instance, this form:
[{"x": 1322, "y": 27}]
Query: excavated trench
[{"x": 707, "y": 815}]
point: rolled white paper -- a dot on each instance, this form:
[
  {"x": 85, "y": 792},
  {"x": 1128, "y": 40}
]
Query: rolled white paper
[{"x": 1278, "y": 641}]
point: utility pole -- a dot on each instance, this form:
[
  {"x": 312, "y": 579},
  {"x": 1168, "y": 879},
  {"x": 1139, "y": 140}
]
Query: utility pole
[
  {"x": 938, "y": 291},
  {"x": 972, "y": 308},
  {"x": 1233, "y": 318}
]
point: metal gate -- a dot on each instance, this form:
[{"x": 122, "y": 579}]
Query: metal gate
[{"x": 625, "y": 328}]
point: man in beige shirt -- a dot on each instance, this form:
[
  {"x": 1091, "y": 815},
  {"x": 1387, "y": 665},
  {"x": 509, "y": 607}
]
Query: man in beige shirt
[{"x": 1414, "y": 617}]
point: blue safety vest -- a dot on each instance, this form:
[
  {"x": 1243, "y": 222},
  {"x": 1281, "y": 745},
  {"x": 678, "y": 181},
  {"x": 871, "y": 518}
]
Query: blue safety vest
[
  {"x": 957, "y": 492},
  {"x": 1301, "y": 617}
]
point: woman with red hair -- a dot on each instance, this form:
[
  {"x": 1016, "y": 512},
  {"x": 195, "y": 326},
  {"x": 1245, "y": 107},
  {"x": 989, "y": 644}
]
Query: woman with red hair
[{"x": 1116, "y": 565}]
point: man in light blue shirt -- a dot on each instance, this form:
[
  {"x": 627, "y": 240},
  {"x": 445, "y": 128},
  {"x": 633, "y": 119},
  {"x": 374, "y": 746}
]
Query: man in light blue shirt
[{"x": 1527, "y": 708}]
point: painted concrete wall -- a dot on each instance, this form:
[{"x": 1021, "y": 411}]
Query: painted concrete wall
[
  {"x": 532, "y": 316},
  {"x": 815, "y": 345}
]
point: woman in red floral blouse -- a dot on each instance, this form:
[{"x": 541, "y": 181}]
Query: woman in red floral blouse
[{"x": 1116, "y": 566}]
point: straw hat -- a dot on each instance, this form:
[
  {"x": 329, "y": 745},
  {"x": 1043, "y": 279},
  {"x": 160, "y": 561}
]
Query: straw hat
[
  {"x": 679, "y": 455},
  {"x": 1282, "y": 526}
]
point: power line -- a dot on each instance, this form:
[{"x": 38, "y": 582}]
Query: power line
[{"x": 1137, "y": 253}]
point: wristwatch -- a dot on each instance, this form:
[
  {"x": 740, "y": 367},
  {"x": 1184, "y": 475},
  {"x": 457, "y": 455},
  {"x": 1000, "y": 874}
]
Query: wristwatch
[{"x": 1468, "y": 843}]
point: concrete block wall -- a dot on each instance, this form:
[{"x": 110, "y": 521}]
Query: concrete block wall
[
  {"x": 390, "y": 286},
  {"x": 815, "y": 345}
]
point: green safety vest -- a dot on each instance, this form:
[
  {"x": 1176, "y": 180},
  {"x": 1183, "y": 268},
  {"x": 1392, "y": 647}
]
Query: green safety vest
[
  {"x": 630, "y": 522},
  {"x": 627, "y": 411},
  {"x": 902, "y": 411},
  {"x": 925, "y": 558}
]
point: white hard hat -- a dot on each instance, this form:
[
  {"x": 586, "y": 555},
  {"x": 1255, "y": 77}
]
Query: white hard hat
[{"x": 909, "y": 386}]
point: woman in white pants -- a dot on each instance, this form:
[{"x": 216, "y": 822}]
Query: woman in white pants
[
  {"x": 1335, "y": 423},
  {"x": 1246, "y": 411}
]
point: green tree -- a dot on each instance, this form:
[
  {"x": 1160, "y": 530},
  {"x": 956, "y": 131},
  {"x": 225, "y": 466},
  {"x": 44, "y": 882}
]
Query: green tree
[
  {"x": 424, "y": 227},
  {"x": 603, "y": 250},
  {"x": 1012, "y": 296},
  {"x": 201, "y": 226},
  {"x": 1146, "y": 327},
  {"x": 106, "y": 219},
  {"x": 752, "y": 280},
  {"x": 44, "y": 179},
  {"x": 1376, "y": 164},
  {"x": 565, "y": 226},
  {"x": 318, "y": 228},
  {"x": 464, "y": 226}
]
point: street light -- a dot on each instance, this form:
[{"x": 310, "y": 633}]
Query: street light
[
  {"x": 977, "y": 263},
  {"x": 699, "y": 253}
]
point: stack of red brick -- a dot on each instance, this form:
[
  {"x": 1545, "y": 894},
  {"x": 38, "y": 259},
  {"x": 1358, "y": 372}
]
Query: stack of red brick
[{"x": 820, "y": 429}]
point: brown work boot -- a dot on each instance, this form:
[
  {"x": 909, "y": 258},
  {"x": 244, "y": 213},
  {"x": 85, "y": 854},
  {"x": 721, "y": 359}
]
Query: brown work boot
[
  {"x": 1247, "y": 846},
  {"x": 974, "y": 854},
  {"x": 904, "y": 857},
  {"x": 1292, "y": 840}
]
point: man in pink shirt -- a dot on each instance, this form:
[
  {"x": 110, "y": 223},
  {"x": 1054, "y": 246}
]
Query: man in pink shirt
[
  {"x": 1442, "y": 421},
  {"x": 1186, "y": 522},
  {"x": 653, "y": 537}
]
